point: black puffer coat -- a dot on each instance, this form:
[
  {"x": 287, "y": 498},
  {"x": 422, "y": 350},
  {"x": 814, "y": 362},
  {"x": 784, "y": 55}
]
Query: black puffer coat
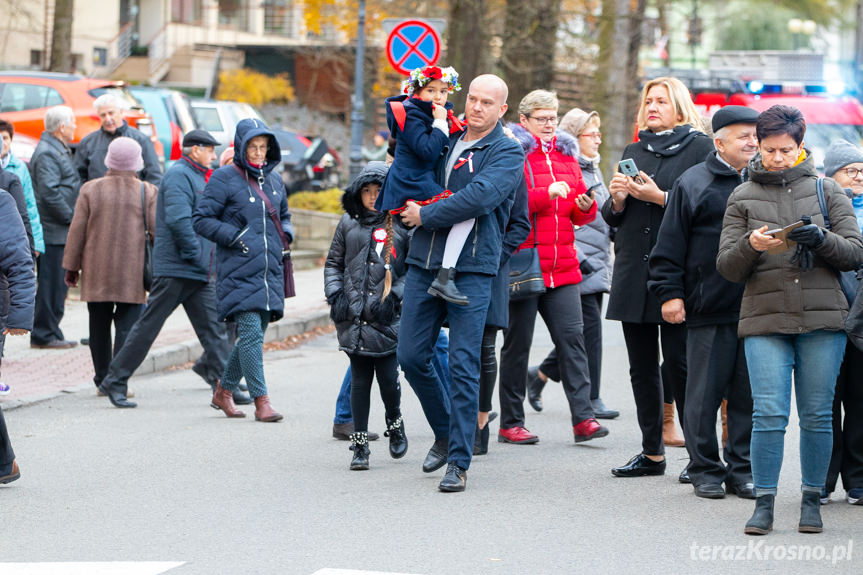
[{"x": 354, "y": 274}]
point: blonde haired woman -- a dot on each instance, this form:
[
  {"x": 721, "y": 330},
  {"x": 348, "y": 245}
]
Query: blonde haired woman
[{"x": 670, "y": 141}]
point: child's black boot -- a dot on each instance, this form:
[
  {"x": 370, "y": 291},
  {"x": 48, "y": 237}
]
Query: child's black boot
[
  {"x": 398, "y": 439},
  {"x": 360, "y": 447},
  {"x": 444, "y": 287}
]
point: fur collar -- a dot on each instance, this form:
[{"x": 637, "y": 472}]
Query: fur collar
[{"x": 563, "y": 141}]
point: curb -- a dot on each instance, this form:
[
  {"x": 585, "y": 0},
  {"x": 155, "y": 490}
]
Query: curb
[{"x": 189, "y": 350}]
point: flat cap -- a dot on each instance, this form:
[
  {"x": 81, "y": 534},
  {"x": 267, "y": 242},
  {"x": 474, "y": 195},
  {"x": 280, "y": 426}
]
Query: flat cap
[
  {"x": 199, "y": 138},
  {"x": 733, "y": 115}
]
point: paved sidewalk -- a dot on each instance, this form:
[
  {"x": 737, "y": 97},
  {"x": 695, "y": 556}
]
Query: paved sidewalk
[{"x": 38, "y": 374}]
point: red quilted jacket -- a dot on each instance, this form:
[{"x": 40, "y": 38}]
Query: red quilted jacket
[{"x": 554, "y": 219}]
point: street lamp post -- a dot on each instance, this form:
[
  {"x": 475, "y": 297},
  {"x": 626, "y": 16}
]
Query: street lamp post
[{"x": 357, "y": 116}]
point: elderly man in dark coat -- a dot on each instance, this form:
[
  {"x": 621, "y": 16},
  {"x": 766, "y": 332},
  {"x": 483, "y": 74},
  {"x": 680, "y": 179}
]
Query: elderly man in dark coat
[
  {"x": 183, "y": 273},
  {"x": 91, "y": 152},
  {"x": 684, "y": 279},
  {"x": 16, "y": 264},
  {"x": 56, "y": 183}
]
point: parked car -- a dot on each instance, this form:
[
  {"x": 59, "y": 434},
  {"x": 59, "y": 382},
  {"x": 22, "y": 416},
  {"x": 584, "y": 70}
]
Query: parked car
[
  {"x": 25, "y": 96},
  {"x": 220, "y": 118},
  {"x": 172, "y": 114},
  {"x": 307, "y": 165}
]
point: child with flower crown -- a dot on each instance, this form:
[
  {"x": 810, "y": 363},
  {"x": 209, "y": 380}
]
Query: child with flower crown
[{"x": 421, "y": 120}]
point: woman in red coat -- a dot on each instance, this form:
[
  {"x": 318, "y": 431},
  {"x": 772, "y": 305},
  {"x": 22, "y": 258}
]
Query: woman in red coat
[{"x": 557, "y": 201}]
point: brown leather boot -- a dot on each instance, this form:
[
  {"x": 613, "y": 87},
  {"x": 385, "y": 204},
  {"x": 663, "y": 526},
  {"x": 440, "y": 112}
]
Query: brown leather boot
[
  {"x": 669, "y": 433},
  {"x": 724, "y": 411},
  {"x": 264, "y": 411},
  {"x": 224, "y": 400}
]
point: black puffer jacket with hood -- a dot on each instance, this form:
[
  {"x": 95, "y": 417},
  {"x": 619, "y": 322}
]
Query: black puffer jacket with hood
[{"x": 354, "y": 273}]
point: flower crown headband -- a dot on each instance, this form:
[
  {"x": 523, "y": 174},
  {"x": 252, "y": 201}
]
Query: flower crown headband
[{"x": 419, "y": 77}]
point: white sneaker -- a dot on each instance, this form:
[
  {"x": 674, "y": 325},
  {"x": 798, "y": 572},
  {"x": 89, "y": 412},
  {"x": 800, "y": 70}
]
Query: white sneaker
[{"x": 5, "y": 389}]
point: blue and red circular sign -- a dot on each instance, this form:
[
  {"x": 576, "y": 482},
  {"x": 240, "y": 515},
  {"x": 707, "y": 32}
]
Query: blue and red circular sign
[{"x": 412, "y": 44}]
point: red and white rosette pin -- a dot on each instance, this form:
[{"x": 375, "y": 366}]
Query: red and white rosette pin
[{"x": 380, "y": 236}]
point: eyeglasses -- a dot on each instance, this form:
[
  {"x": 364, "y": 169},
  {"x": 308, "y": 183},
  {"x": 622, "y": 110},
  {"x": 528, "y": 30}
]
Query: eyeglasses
[
  {"x": 853, "y": 172},
  {"x": 258, "y": 149},
  {"x": 544, "y": 120},
  {"x": 597, "y": 135}
]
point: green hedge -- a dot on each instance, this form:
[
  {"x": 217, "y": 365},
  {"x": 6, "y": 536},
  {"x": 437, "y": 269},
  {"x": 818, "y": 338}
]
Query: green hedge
[{"x": 329, "y": 201}]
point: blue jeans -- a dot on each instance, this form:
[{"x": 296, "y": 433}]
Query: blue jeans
[
  {"x": 450, "y": 414},
  {"x": 441, "y": 366},
  {"x": 814, "y": 358}
]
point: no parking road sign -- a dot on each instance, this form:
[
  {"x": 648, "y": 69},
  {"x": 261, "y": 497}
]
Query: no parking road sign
[{"x": 412, "y": 44}]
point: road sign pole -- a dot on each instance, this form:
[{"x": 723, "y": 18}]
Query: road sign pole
[{"x": 357, "y": 116}]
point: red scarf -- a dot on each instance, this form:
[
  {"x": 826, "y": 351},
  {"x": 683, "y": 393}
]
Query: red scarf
[
  {"x": 207, "y": 172},
  {"x": 455, "y": 125}
]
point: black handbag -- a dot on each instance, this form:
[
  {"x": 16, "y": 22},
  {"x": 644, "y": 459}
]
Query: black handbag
[
  {"x": 148, "y": 244},
  {"x": 525, "y": 273}
]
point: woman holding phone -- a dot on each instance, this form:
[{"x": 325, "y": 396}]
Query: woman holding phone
[
  {"x": 670, "y": 141},
  {"x": 557, "y": 200}
]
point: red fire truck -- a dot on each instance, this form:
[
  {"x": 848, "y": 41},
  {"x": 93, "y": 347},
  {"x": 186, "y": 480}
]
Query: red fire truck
[{"x": 766, "y": 78}]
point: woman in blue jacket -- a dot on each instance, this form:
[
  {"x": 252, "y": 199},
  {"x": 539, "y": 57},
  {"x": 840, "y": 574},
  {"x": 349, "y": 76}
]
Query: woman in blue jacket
[{"x": 250, "y": 285}]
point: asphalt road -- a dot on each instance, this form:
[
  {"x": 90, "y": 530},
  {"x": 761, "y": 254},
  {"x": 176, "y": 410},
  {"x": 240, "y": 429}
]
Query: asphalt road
[{"x": 175, "y": 481}]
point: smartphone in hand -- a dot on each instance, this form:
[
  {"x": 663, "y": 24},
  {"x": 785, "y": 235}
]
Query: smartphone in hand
[{"x": 628, "y": 168}]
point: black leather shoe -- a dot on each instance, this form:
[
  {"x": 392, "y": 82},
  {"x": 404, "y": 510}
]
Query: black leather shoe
[
  {"x": 710, "y": 491},
  {"x": 444, "y": 287},
  {"x": 742, "y": 490},
  {"x": 437, "y": 455},
  {"x": 241, "y": 398},
  {"x": 454, "y": 480},
  {"x": 600, "y": 411},
  {"x": 535, "y": 386},
  {"x": 639, "y": 466},
  {"x": 684, "y": 476},
  {"x": 117, "y": 397}
]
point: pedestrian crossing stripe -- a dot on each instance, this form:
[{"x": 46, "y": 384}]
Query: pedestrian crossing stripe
[
  {"x": 353, "y": 572},
  {"x": 90, "y": 568}
]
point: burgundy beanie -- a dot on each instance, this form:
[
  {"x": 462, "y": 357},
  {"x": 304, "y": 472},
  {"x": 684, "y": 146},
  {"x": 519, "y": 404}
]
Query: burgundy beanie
[{"x": 124, "y": 155}]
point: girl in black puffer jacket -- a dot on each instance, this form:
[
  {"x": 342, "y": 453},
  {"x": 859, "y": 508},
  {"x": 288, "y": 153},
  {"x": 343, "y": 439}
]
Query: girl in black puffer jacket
[{"x": 361, "y": 261}]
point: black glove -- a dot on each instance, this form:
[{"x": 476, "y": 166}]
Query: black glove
[
  {"x": 808, "y": 234},
  {"x": 340, "y": 307},
  {"x": 803, "y": 256}
]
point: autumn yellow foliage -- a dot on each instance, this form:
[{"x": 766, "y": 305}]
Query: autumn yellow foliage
[
  {"x": 251, "y": 87},
  {"x": 329, "y": 201}
]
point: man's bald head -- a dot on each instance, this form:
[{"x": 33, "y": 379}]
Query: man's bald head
[
  {"x": 493, "y": 83},
  {"x": 485, "y": 105}
]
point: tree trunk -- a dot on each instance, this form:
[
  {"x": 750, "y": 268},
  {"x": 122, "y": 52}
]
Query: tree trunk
[
  {"x": 617, "y": 78},
  {"x": 61, "y": 40},
  {"x": 467, "y": 44},
  {"x": 527, "y": 57}
]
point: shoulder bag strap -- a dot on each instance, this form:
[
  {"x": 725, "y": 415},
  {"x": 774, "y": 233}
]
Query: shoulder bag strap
[
  {"x": 271, "y": 211},
  {"x": 532, "y": 185},
  {"x": 144, "y": 211},
  {"x": 819, "y": 191}
]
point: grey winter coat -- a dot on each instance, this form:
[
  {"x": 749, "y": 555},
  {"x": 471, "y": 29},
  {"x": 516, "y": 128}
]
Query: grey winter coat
[
  {"x": 779, "y": 297},
  {"x": 354, "y": 274},
  {"x": 593, "y": 241}
]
